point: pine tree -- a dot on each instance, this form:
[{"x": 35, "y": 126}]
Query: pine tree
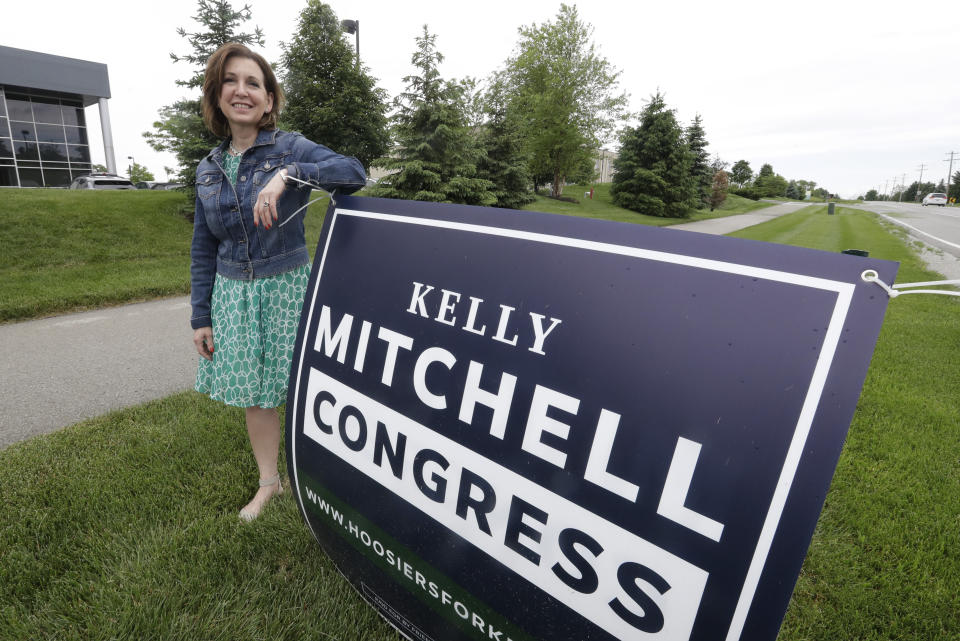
[
  {"x": 653, "y": 169},
  {"x": 180, "y": 128},
  {"x": 435, "y": 158},
  {"x": 505, "y": 160},
  {"x": 700, "y": 169},
  {"x": 331, "y": 100}
]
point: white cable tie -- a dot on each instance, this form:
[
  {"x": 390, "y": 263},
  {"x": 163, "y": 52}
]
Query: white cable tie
[
  {"x": 312, "y": 186},
  {"x": 931, "y": 282},
  {"x": 871, "y": 276}
]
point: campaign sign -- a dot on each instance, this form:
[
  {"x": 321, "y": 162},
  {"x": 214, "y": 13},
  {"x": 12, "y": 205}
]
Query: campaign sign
[{"x": 507, "y": 425}]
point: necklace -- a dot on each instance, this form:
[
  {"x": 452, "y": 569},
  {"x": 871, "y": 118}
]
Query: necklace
[{"x": 235, "y": 151}]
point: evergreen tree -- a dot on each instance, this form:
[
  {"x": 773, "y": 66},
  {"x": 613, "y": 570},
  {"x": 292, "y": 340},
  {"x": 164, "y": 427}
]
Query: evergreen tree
[
  {"x": 180, "y": 128},
  {"x": 435, "y": 158},
  {"x": 770, "y": 184},
  {"x": 700, "y": 169},
  {"x": 741, "y": 173},
  {"x": 566, "y": 93},
  {"x": 504, "y": 162},
  {"x": 653, "y": 169},
  {"x": 331, "y": 100},
  {"x": 793, "y": 190}
]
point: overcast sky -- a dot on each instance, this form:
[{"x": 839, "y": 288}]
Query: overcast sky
[{"x": 849, "y": 94}]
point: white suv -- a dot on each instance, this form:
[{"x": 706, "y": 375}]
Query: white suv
[
  {"x": 935, "y": 199},
  {"x": 101, "y": 181}
]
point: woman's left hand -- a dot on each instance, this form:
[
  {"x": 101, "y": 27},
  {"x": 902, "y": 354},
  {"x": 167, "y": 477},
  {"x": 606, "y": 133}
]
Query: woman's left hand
[{"x": 265, "y": 209}]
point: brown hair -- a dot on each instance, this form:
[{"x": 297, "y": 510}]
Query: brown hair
[{"x": 213, "y": 117}]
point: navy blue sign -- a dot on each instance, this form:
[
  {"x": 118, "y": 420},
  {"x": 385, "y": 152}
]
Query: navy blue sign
[{"x": 508, "y": 425}]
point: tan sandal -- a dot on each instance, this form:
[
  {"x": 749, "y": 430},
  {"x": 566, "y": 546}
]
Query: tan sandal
[{"x": 249, "y": 515}]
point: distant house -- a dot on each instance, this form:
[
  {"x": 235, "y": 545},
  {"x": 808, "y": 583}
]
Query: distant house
[
  {"x": 603, "y": 165},
  {"x": 43, "y": 129}
]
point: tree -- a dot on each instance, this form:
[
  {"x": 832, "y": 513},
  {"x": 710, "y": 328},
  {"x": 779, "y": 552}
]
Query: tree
[
  {"x": 700, "y": 169},
  {"x": 505, "y": 159},
  {"x": 566, "y": 93},
  {"x": 653, "y": 168},
  {"x": 955, "y": 187},
  {"x": 718, "y": 189},
  {"x": 435, "y": 158},
  {"x": 331, "y": 100},
  {"x": 98, "y": 168},
  {"x": 793, "y": 190},
  {"x": 139, "y": 173},
  {"x": 872, "y": 195},
  {"x": 741, "y": 173},
  {"x": 719, "y": 164},
  {"x": 770, "y": 184},
  {"x": 180, "y": 128}
]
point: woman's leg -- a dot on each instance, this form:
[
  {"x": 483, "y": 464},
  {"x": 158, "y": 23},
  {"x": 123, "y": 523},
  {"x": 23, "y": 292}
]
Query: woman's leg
[{"x": 263, "y": 427}]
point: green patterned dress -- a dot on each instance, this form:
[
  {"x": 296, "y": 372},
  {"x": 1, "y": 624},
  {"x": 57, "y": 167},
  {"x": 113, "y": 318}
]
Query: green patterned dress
[{"x": 254, "y": 331}]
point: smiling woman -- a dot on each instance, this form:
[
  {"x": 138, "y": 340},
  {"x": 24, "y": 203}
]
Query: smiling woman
[{"x": 248, "y": 275}]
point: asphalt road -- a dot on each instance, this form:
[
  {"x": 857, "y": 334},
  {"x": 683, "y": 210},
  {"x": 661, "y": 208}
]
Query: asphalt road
[
  {"x": 58, "y": 371},
  {"x": 937, "y": 227}
]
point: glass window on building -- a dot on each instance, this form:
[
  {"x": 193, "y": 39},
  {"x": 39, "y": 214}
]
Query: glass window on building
[
  {"x": 8, "y": 176},
  {"x": 18, "y": 107},
  {"x": 73, "y": 114},
  {"x": 43, "y": 139},
  {"x": 47, "y": 110}
]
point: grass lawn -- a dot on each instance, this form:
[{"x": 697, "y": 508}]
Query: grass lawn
[
  {"x": 601, "y": 206},
  {"x": 72, "y": 250},
  {"x": 68, "y": 250},
  {"x": 125, "y": 527}
]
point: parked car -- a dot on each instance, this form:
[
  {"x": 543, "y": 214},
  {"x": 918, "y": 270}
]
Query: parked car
[
  {"x": 156, "y": 184},
  {"x": 935, "y": 199},
  {"x": 101, "y": 181}
]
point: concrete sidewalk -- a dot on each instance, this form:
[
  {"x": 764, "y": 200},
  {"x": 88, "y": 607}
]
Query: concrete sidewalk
[
  {"x": 57, "y": 371},
  {"x": 729, "y": 224}
]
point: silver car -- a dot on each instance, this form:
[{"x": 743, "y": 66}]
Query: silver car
[
  {"x": 935, "y": 199},
  {"x": 101, "y": 181}
]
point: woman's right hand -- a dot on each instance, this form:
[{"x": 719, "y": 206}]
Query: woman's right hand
[{"x": 203, "y": 341}]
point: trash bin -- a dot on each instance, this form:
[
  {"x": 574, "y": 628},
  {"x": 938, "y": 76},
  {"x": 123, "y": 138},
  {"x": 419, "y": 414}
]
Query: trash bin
[
  {"x": 830, "y": 208},
  {"x": 856, "y": 252}
]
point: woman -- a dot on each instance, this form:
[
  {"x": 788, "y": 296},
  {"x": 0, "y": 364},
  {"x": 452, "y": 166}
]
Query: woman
[{"x": 249, "y": 261}]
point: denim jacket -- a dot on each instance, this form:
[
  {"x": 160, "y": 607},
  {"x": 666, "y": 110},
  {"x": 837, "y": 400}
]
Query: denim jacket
[{"x": 225, "y": 240}]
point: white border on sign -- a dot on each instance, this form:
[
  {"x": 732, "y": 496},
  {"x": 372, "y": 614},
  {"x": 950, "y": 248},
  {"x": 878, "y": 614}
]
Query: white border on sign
[{"x": 844, "y": 293}]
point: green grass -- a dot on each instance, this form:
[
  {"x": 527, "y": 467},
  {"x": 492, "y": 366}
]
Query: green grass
[
  {"x": 601, "y": 206},
  {"x": 125, "y": 527},
  {"x": 885, "y": 559},
  {"x": 69, "y": 250}
]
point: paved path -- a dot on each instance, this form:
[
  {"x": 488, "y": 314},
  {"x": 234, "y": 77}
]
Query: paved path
[
  {"x": 734, "y": 223},
  {"x": 61, "y": 370}
]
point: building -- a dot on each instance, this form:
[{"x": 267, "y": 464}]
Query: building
[
  {"x": 603, "y": 165},
  {"x": 43, "y": 128}
]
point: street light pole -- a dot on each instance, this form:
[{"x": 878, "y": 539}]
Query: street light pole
[
  {"x": 130, "y": 169},
  {"x": 352, "y": 26}
]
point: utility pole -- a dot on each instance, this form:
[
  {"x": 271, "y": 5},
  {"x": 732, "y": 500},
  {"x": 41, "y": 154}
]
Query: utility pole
[
  {"x": 903, "y": 180},
  {"x": 885, "y": 183},
  {"x": 919, "y": 182},
  {"x": 950, "y": 173}
]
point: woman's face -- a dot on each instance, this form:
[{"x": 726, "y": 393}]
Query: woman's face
[{"x": 243, "y": 96}]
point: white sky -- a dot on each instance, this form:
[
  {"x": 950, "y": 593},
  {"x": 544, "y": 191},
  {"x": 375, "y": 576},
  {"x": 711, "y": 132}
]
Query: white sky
[{"x": 850, "y": 94}]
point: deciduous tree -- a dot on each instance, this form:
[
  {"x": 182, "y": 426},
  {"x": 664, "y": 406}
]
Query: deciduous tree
[
  {"x": 567, "y": 93},
  {"x": 741, "y": 173},
  {"x": 718, "y": 189}
]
